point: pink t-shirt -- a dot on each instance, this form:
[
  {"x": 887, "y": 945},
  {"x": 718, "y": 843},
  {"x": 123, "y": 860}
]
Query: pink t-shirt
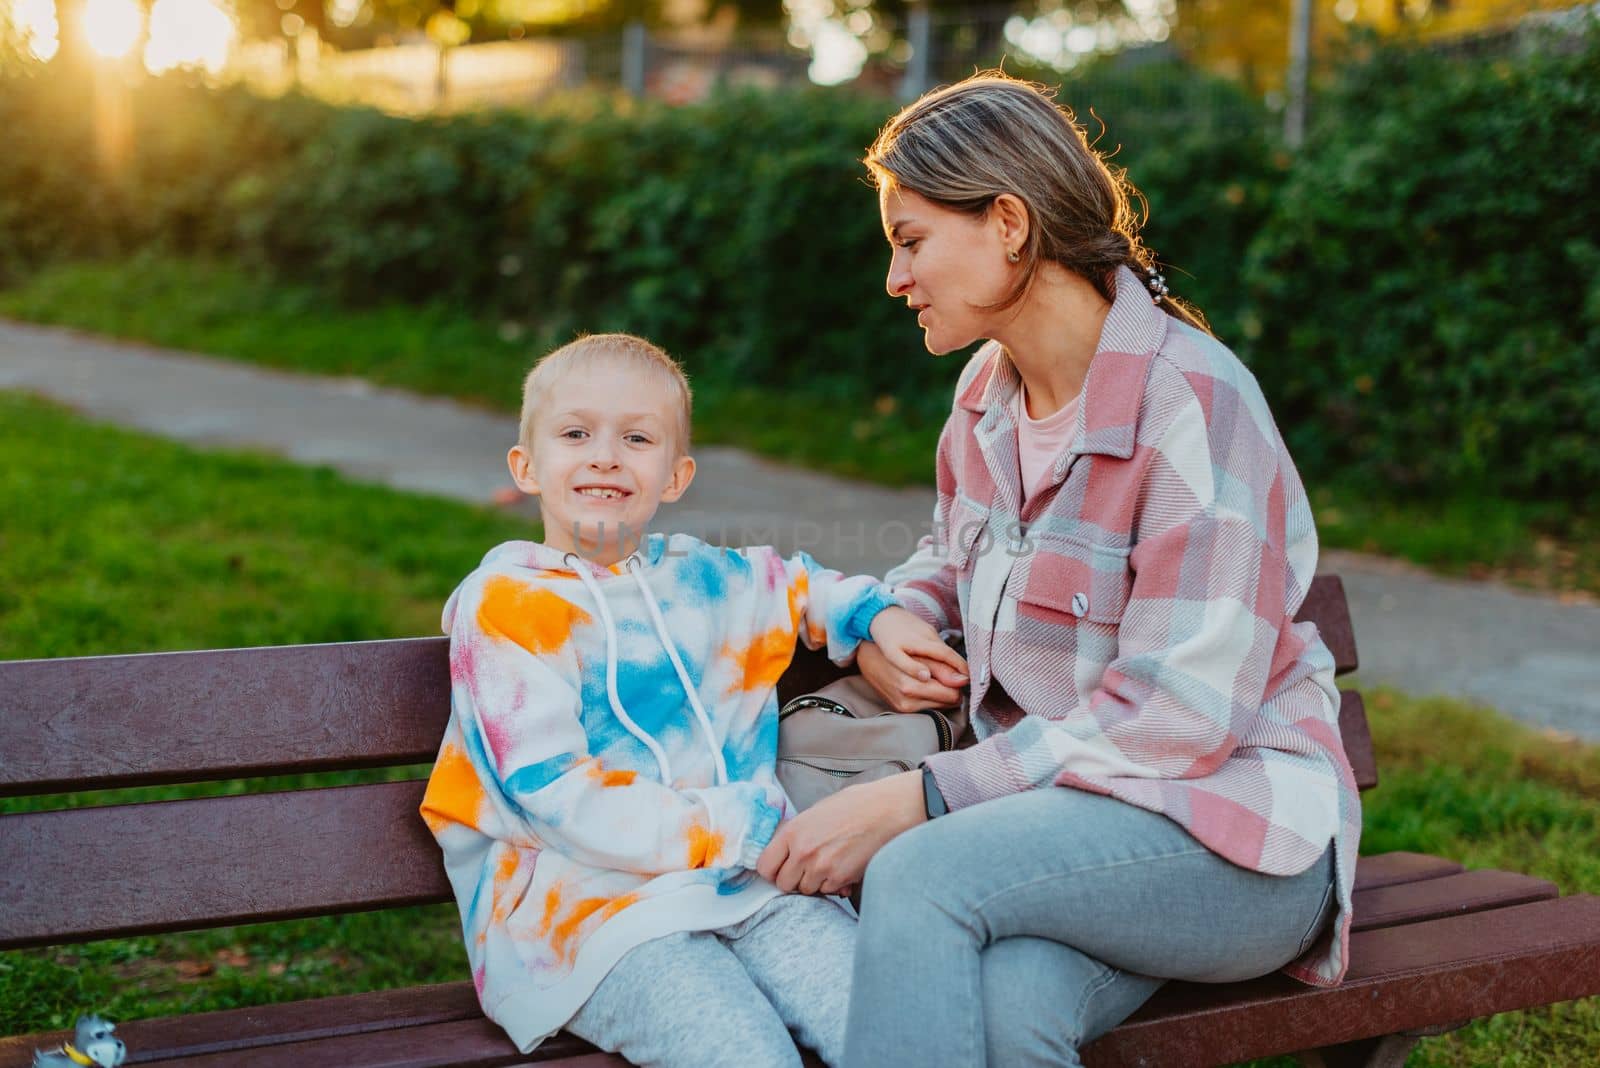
[{"x": 1041, "y": 441}]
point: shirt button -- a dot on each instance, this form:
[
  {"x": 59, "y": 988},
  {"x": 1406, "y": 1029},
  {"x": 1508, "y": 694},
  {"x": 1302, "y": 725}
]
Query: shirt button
[{"x": 1080, "y": 604}]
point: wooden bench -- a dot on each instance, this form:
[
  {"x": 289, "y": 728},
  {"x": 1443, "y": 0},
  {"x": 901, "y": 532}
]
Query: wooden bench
[{"x": 1434, "y": 945}]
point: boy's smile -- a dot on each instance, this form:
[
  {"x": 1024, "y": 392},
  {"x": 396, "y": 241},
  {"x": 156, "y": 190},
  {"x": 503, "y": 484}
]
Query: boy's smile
[{"x": 604, "y": 457}]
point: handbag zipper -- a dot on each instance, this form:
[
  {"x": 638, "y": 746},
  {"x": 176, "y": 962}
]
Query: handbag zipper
[
  {"x": 837, "y": 773},
  {"x": 810, "y": 701},
  {"x": 941, "y": 726}
]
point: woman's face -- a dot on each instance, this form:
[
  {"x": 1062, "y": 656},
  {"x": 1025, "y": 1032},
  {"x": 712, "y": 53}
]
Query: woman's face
[{"x": 947, "y": 266}]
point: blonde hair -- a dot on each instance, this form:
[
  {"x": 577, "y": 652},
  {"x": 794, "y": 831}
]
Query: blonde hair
[
  {"x": 623, "y": 352},
  {"x": 963, "y": 145}
]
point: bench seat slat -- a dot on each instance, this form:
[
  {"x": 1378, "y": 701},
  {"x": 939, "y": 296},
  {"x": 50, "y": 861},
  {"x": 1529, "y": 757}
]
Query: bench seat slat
[
  {"x": 235, "y": 1032},
  {"x": 89, "y": 723},
  {"x": 209, "y": 862},
  {"x": 1389, "y": 869},
  {"x": 475, "y": 1043},
  {"x": 1401, "y": 978},
  {"x": 231, "y": 1030},
  {"x": 1451, "y": 895}
]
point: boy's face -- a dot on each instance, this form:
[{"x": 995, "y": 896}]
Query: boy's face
[{"x": 604, "y": 457}]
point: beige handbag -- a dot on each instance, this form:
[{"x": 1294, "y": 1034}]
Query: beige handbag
[{"x": 845, "y": 734}]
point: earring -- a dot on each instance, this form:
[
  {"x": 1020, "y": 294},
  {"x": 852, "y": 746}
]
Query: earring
[{"x": 1013, "y": 256}]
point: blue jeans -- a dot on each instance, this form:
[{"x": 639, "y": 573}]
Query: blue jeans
[{"x": 1015, "y": 931}]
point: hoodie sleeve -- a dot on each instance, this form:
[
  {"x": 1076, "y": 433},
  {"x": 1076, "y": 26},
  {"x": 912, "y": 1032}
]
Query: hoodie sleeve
[
  {"x": 829, "y": 610},
  {"x": 515, "y": 694}
]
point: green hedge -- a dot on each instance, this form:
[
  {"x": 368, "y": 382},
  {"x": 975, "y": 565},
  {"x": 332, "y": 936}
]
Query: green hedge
[
  {"x": 1428, "y": 288},
  {"x": 1416, "y": 290},
  {"x": 742, "y": 234}
]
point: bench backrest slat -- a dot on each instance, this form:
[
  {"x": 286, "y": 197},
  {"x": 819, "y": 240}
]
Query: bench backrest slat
[
  {"x": 1325, "y": 606},
  {"x": 90, "y": 723},
  {"x": 81, "y": 874},
  {"x": 98, "y": 722},
  {"x": 106, "y": 721},
  {"x": 1357, "y": 739}
]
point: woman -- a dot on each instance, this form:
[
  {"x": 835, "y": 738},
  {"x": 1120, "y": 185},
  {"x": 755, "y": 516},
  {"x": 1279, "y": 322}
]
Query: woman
[{"x": 1158, "y": 789}]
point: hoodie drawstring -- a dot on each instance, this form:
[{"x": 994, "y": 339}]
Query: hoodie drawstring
[
  {"x": 683, "y": 673},
  {"x": 704, "y": 721},
  {"x": 577, "y": 565}
]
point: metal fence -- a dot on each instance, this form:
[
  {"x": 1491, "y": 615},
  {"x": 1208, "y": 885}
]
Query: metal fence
[{"x": 1265, "y": 53}]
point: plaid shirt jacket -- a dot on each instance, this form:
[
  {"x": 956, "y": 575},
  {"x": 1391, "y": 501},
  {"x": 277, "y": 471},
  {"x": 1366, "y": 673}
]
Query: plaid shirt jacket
[{"x": 1138, "y": 613}]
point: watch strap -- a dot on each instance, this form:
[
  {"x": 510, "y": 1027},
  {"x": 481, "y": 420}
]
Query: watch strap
[{"x": 932, "y": 797}]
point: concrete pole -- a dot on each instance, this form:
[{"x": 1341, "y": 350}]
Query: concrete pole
[
  {"x": 919, "y": 33},
  {"x": 634, "y": 42},
  {"x": 1294, "y": 114}
]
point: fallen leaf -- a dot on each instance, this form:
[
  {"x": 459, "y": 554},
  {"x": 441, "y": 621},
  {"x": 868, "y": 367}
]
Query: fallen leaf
[{"x": 233, "y": 957}]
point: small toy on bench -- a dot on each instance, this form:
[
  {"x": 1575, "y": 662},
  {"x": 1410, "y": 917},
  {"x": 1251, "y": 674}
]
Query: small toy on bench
[{"x": 93, "y": 1042}]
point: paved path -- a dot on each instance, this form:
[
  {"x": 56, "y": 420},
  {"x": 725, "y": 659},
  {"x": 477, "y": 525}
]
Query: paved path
[{"x": 1528, "y": 655}]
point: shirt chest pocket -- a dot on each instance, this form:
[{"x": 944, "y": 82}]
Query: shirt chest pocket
[
  {"x": 1072, "y": 591},
  {"x": 968, "y": 535}
]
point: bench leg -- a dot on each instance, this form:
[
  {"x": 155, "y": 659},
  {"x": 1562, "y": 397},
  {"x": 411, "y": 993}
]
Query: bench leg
[{"x": 1387, "y": 1051}]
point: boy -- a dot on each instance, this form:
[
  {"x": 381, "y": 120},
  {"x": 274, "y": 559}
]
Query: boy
[{"x": 607, "y": 779}]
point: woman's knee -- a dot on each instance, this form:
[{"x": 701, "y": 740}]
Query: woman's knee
[
  {"x": 905, "y": 864},
  {"x": 1043, "y": 1001}
]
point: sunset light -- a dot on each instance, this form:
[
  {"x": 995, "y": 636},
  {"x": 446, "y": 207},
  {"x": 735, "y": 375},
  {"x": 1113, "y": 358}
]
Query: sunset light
[
  {"x": 36, "y": 23},
  {"x": 198, "y": 34},
  {"x": 188, "y": 33},
  {"x": 112, "y": 26}
]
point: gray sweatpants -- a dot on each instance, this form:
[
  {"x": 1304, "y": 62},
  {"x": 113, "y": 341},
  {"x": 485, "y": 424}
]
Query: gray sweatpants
[{"x": 704, "y": 999}]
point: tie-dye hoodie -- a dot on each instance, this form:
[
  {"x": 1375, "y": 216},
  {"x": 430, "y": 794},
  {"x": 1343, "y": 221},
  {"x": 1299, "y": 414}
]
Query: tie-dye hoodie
[{"x": 608, "y": 772}]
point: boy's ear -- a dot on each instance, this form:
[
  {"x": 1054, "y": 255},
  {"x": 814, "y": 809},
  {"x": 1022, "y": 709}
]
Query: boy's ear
[
  {"x": 520, "y": 461},
  {"x": 682, "y": 475}
]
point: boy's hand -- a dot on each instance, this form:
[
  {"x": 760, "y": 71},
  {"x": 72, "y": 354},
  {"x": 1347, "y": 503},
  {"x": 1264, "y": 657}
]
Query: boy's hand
[{"x": 913, "y": 647}]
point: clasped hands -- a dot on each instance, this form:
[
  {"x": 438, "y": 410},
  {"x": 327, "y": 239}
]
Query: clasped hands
[{"x": 826, "y": 848}]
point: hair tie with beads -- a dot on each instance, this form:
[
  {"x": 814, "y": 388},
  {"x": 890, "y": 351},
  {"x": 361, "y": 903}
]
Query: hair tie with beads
[{"x": 1157, "y": 283}]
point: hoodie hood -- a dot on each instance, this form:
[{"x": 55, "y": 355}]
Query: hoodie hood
[
  {"x": 511, "y": 556},
  {"x": 547, "y": 563}
]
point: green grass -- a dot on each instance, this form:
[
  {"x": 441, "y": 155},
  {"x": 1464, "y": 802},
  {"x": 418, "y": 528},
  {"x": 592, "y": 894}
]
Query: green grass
[
  {"x": 1464, "y": 782},
  {"x": 111, "y": 541},
  {"x": 115, "y": 542},
  {"x": 1539, "y": 544},
  {"x": 225, "y": 311}
]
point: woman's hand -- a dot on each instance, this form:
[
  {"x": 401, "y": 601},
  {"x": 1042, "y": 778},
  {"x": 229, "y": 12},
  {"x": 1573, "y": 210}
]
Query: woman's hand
[
  {"x": 826, "y": 848},
  {"x": 924, "y": 682}
]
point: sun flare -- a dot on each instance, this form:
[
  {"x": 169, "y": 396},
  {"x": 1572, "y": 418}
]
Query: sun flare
[
  {"x": 112, "y": 26},
  {"x": 188, "y": 33},
  {"x": 197, "y": 34}
]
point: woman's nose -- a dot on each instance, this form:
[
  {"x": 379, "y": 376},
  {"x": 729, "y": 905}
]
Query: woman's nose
[{"x": 899, "y": 280}]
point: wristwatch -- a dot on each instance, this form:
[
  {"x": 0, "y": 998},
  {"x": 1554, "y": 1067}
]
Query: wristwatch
[{"x": 932, "y": 798}]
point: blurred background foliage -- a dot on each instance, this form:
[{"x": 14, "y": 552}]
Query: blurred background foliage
[{"x": 1416, "y": 287}]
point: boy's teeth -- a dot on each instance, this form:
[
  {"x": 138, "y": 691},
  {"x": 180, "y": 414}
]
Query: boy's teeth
[{"x": 600, "y": 493}]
